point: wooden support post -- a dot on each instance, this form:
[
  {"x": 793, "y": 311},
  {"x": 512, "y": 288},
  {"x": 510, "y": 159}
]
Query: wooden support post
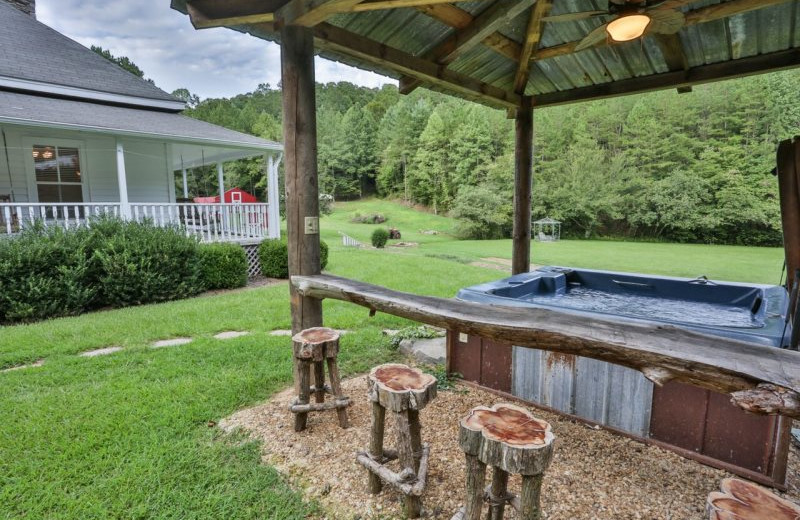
[
  {"x": 415, "y": 433},
  {"x": 523, "y": 184},
  {"x": 789, "y": 191},
  {"x": 300, "y": 146},
  {"x": 376, "y": 444}
]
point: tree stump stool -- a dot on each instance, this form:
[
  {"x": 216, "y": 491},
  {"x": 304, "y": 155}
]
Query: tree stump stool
[
  {"x": 404, "y": 391},
  {"x": 316, "y": 346},
  {"x": 740, "y": 500},
  {"x": 510, "y": 440}
]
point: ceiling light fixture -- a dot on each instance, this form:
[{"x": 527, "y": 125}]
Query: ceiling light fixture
[{"x": 628, "y": 27}]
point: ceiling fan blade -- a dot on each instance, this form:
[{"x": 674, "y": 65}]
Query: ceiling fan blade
[
  {"x": 569, "y": 17},
  {"x": 593, "y": 38},
  {"x": 666, "y": 22},
  {"x": 672, "y": 4}
]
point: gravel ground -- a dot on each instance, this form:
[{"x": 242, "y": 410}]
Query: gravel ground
[{"x": 595, "y": 475}]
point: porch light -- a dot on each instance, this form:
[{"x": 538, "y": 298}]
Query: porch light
[{"x": 628, "y": 27}]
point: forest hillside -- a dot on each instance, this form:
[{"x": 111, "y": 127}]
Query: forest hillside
[{"x": 692, "y": 167}]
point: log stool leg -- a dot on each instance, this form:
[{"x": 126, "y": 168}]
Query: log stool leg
[
  {"x": 476, "y": 477},
  {"x": 415, "y": 432},
  {"x": 319, "y": 381},
  {"x": 405, "y": 453},
  {"x": 303, "y": 393},
  {"x": 336, "y": 388},
  {"x": 497, "y": 494},
  {"x": 376, "y": 444},
  {"x": 529, "y": 499}
]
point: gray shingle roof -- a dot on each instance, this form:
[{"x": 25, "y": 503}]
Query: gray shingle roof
[
  {"x": 35, "y": 110},
  {"x": 30, "y": 50}
]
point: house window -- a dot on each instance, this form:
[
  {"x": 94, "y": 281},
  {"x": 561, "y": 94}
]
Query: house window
[{"x": 58, "y": 173}]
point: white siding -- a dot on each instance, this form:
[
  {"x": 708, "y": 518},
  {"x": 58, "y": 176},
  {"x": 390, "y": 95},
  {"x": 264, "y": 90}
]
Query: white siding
[
  {"x": 145, "y": 163},
  {"x": 146, "y": 168}
]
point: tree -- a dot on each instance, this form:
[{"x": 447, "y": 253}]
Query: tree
[
  {"x": 191, "y": 100},
  {"x": 122, "y": 61}
]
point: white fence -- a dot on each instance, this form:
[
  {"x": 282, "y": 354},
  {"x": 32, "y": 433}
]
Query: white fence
[{"x": 210, "y": 222}]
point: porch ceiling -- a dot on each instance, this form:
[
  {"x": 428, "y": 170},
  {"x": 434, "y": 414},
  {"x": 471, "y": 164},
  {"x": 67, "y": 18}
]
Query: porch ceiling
[{"x": 494, "y": 51}]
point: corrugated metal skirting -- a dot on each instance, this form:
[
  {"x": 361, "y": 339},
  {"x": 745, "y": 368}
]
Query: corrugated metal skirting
[{"x": 608, "y": 394}]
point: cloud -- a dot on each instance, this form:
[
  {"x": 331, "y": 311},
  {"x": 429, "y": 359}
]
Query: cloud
[{"x": 162, "y": 42}]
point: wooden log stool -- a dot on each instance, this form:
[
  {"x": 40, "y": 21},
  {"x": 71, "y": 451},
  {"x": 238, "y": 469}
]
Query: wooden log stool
[
  {"x": 511, "y": 440},
  {"x": 404, "y": 391},
  {"x": 316, "y": 346},
  {"x": 740, "y": 500}
]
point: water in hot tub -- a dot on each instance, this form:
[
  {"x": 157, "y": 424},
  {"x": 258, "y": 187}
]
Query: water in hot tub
[{"x": 650, "y": 307}]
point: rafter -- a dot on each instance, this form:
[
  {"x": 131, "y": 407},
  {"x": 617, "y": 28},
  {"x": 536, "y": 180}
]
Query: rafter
[
  {"x": 308, "y": 13},
  {"x": 680, "y": 79},
  {"x": 341, "y": 41},
  {"x": 205, "y": 14},
  {"x": 458, "y": 18},
  {"x": 483, "y": 26},
  {"x": 532, "y": 37},
  {"x": 694, "y": 17}
]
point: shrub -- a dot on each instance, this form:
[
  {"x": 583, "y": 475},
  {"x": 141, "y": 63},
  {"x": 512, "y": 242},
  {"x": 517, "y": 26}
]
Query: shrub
[
  {"x": 326, "y": 202},
  {"x": 379, "y": 237},
  {"x": 45, "y": 273},
  {"x": 374, "y": 218},
  {"x": 222, "y": 266},
  {"x": 274, "y": 257},
  {"x": 141, "y": 263}
]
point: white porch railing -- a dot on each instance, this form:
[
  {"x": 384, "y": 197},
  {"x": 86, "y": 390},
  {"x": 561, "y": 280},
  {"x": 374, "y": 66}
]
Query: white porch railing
[{"x": 209, "y": 222}]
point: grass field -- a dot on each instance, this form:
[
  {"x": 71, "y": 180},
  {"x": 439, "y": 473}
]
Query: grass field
[
  {"x": 127, "y": 435},
  {"x": 735, "y": 263}
]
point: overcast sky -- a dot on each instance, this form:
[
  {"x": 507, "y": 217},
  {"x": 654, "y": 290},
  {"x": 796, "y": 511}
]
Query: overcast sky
[{"x": 162, "y": 42}]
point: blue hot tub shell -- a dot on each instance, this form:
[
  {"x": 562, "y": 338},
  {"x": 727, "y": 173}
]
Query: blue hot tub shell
[{"x": 747, "y": 312}]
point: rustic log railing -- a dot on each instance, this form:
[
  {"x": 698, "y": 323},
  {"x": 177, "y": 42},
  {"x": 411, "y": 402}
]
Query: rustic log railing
[{"x": 760, "y": 379}]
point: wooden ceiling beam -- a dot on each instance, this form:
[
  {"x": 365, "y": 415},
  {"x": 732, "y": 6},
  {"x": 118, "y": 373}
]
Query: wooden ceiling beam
[
  {"x": 205, "y": 14},
  {"x": 680, "y": 79},
  {"x": 533, "y": 36},
  {"x": 376, "y": 5},
  {"x": 338, "y": 40},
  {"x": 482, "y": 26},
  {"x": 458, "y": 18},
  {"x": 694, "y": 17},
  {"x": 308, "y": 13}
]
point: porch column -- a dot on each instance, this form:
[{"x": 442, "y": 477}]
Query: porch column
[
  {"x": 122, "y": 181},
  {"x": 185, "y": 184},
  {"x": 300, "y": 147},
  {"x": 273, "y": 196},
  {"x": 221, "y": 182},
  {"x": 523, "y": 184}
]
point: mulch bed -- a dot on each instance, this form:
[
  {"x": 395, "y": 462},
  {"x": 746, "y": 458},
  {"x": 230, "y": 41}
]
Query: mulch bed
[{"x": 594, "y": 474}]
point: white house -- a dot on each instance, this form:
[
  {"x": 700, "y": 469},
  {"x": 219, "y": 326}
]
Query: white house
[{"x": 80, "y": 136}]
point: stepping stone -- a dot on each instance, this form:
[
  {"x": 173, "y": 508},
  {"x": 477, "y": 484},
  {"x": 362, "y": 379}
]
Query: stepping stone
[
  {"x": 100, "y": 351},
  {"x": 171, "y": 342},
  {"x": 432, "y": 351},
  {"x": 230, "y": 334},
  {"x": 20, "y": 367}
]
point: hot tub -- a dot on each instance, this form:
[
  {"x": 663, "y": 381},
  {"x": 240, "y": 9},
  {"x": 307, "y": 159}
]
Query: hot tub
[
  {"x": 692, "y": 421},
  {"x": 746, "y": 312}
]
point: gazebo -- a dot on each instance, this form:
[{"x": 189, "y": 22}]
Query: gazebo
[
  {"x": 522, "y": 55},
  {"x": 547, "y": 230}
]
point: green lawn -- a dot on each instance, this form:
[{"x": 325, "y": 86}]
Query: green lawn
[
  {"x": 734, "y": 263},
  {"x": 127, "y": 435}
]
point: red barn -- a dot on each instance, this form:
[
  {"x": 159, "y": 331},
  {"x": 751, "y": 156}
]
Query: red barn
[{"x": 232, "y": 196}]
